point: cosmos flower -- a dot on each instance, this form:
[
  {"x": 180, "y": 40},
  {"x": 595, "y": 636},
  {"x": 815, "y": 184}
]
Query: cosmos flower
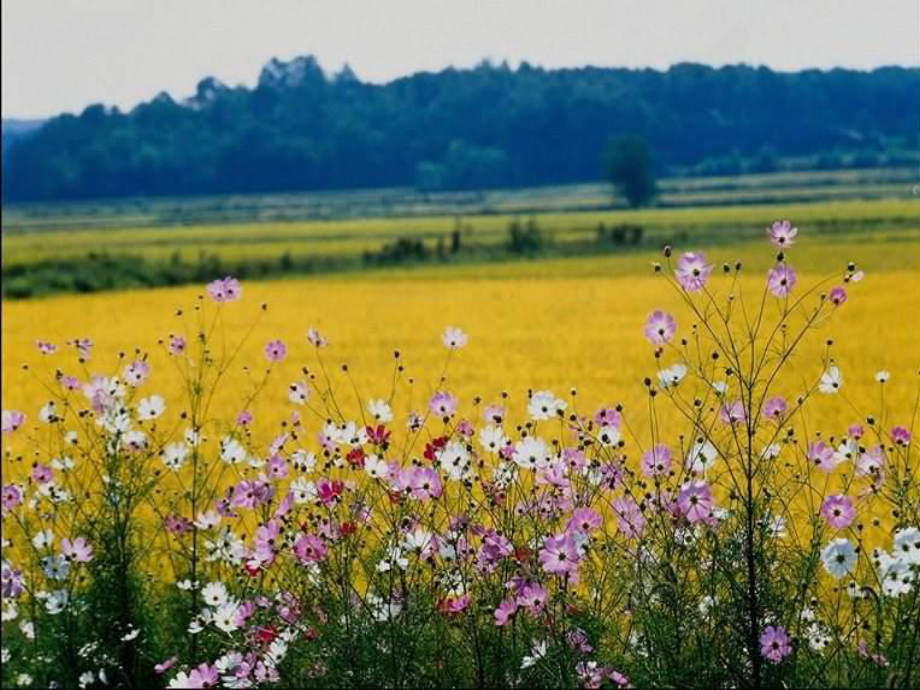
[
  {"x": 657, "y": 461},
  {"x": 544, "y": 405},
  {"x": 660, "y": 327},
  {"x": 775, "y": 408},
  {"x": 782, "y": 234},
  {"x": 774, "y": 644},
  {"x": 838, "y": 296},
  {"x": 453, "y": 338},
  {"x": 831, "y": 381},
  {"x": 695, "y": 501},
  {"x": 692, "y": 271},
  {"x": 275, "y": 351},
  {"x": 226, "y": 290},
  {"x": 838, "y": 510},
  {"x": 839, "y": 557},
  {"x": 780, "y": 280},
  {"x": 77, "y": 550}
]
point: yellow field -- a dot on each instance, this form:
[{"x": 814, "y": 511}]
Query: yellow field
[{"x": 543, "y": 324}]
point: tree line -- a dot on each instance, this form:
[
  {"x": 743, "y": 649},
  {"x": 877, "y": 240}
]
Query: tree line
[{"x": 491, "y": 126}]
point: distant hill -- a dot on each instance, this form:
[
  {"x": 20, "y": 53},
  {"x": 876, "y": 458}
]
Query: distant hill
[
  {"x": 302, "y": 129},
  {"x": 14, "y": 130}
]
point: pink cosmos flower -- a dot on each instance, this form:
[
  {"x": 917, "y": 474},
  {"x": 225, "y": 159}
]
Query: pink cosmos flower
[
  {"x": 574, "y": 459},
  {"x": 244, "y": 418},
  {"x": 493, "y": 414},
  {"x": 226, "y": 290},
  {"x": 42, "y": 474},
  {"x": 177, "y": 524},
  {"x": 584, "y": 520},
  {"x": 328, "y": 492},
  {"x": 11, "y": 584},
  {"x": 45, "y": 347},
  {"x": 900, "y": 435},
  {"x": 657, "y": 461},
  {"x": 277, "y": 467},
  {"x": 774, "y": 643},
  {"x": 559, "y": 555},
  {"x": 660, "y": 327},
  {"x": 11, "y": 420},
  {"x": 71, "y": 383},
  {"x": 275, "y": 351},
  {"x": 443, "y": 404},
  {"x": 10, "y": 497},
  {"x": 136, "y": 373},
  {"x": 532, "y": 596},
  {"x": 630, "y": 520},
  {"x": 505, "y": 612},
  {"x": 310, "y": 549},
  {"x": 838, "y": 511},
  {"x": 732, "y": 413},
  {"x": 695, "y": 501},
  {"x": 692, "y": 271},
  {"x": 77, "y": 550},
  {"x": 266, "y": 542},
  {"x": 782, "y": 234},
  {"x": 608, "y": 416},
  {"x": 856, "y": 431},
  {"x": 822, "y": 455},
  {"x": 164, "y": 666},
  {"x": 83, "y": 346},
  {"x": 780, "y": 280},
  {"x": 316, "y": 339},
  {"x": 177, "y": 344},
  {"x": 775, "y": 408},
  {"x": 838, "y": 296},
  {"x": 424, "y": 483},
  {"x": 203, "y": 677}
]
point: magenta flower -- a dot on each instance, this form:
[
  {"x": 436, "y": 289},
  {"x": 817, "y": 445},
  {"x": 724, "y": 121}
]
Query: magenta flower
[
  {"x": 11, "y": 421},
  {"x": 780, "y": 280},
  {"x": 838, "y": 295},
  {"x": 732, "y": 413},
  {"x": 900, "y": 435},
  {"x": 226, "y": 290},
  {"x": 774, "y": 643},
  {"x": 505, "y": 612},
  {"x": 692, "y": 271},
  {"x": 244, "y": 418},
  {"x": 660, "y": 327},
  {"x": 559, "y": 556},
  {"x": 657, "y": 461},
  {"x": 775, "y": 408},
  {"x": 77, "y": 550},
  {"x": 309, "y": 548},
  {"x": 585, "y": 520},
  {"x": 443, "y": 404},
  {"x": 856, "y": 431},
  {"x": 695, "y": 501},
  {"x": 782, "y": 234},
  {"x": 275, "y": 351},
  {"x": 838, "y": 511},
  {"x": 822, "y": 455}
]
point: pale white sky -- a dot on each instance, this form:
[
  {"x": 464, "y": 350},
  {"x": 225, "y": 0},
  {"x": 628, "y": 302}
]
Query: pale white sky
[{"x": 61, "y": 55}]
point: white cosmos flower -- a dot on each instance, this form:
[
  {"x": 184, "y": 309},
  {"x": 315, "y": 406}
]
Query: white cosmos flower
[
  {"x": 232, "y": 451},
  {"x": 303, "y": 461},
  {"x": 135, "y": 440},
  {"x": 453, "y": 338},
  {"x": 701, "y": 457},
  {"x": 215, "y": 594},
  {"x": 207, "y": 520},
  {"x": 896, "y": 576},
  {"x": 48, "y": 413},
  {"x": 42, "y": 539},
  {"x": 537, "y": 653},
  {"x": 380, "y": 410},
  {"x": 174, "y": 455},
  {"x": 454, "y": 460},
  {"x": 831, "y": 381},
  {"x": 672, "y": 375},
  {"x": 151, "y": 408},
  {"x": 839, "y": 557},
  {"x": 882, "y": 376},
  {"x": 299, "y": 393},
  {"x": 56, "y": 602},
  {"x": 530, "y": 453},
  {"x": 493, "y": 439},
  {"x": 375, "y": 467},
  {"x": 608, "y": 436},
  {"x": 65, "y": 464},
  {"x": 304, "y": 491},
  {"x": 907, "y": 545},
  {"x": 544, "y": 405}
]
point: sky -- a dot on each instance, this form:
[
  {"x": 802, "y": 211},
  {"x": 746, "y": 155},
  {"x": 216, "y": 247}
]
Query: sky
[{"x": 62, "y": 55}]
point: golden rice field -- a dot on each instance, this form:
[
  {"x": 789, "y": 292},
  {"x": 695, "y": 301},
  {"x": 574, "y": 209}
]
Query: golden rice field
[{"x": 550, "y": 324}]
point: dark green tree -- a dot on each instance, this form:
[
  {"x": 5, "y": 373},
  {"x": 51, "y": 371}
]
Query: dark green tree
[{"x": 629, "y": 167}]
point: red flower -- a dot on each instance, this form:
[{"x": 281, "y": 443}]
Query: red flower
[
  {"x": 347, "y": 528},
  {"x": 431, "y": 449},
  {"x": 356, "y": 457},
  {"x": 379, "y": 436},
  {"x": 267, "y": 634}
]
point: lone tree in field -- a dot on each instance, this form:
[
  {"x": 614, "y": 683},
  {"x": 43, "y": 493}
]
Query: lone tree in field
[{"x": 628, "y": 164}]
